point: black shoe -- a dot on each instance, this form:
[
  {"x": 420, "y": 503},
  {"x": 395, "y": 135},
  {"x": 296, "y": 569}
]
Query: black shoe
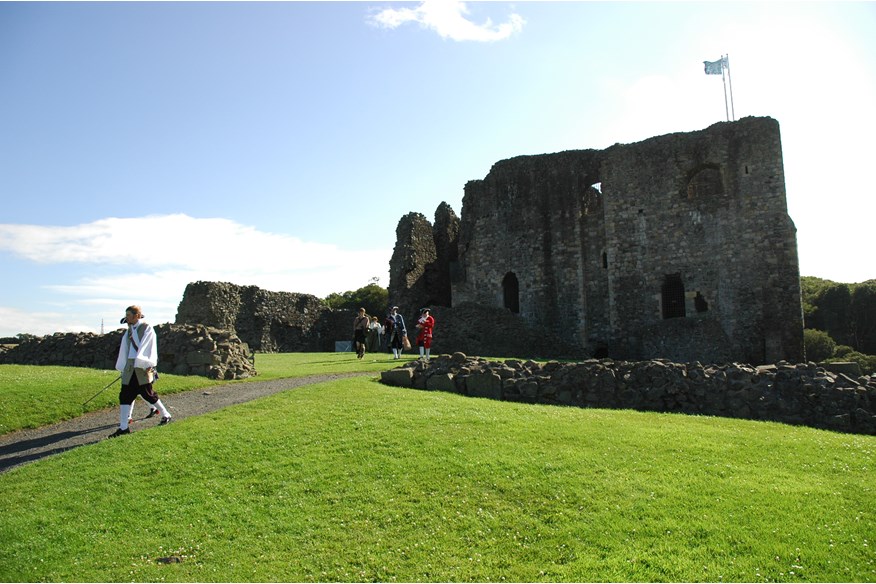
[
  {"x": 164, "y": 421},
  {"x": 120, "y": 432},
  {"x": 152, "y": 414}
]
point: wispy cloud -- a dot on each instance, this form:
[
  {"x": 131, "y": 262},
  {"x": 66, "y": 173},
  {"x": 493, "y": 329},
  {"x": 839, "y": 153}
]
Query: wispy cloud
[
  {"x": 449, "y": 20},
  {"x": 157, "y": 256}
]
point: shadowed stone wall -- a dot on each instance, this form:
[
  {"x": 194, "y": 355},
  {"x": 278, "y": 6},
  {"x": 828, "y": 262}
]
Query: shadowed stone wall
[
  {"x": 677, "y": 247},
  {"x": 182, "y": 350},
  {"x": 266, "y": 321},
  {"x": 421, "y": 263},
  {"x": 804, "y": 394}
]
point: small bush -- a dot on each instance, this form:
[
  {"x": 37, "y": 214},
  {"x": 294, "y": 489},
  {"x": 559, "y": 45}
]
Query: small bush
[
  {"x": 818, "y": 344},
  {"x": 867, "y": 362},
  {"x": 842, "y": 350}
]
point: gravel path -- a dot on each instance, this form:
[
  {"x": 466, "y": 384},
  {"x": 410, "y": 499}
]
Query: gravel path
[{"x": 25, "y": 446}]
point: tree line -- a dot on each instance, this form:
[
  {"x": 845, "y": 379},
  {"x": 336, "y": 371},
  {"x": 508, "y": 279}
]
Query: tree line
[{"x": 839, "y": 321}]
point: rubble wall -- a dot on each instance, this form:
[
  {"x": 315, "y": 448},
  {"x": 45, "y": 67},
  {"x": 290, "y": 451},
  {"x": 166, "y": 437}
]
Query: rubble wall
[{"x": 800, "y": 394}]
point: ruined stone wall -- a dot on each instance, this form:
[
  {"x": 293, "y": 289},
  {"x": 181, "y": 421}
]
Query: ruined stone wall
[
  {"x": 526, "y": 223},
  {"x": 679, "y": 246},
  {"x": 489, "y": 330},
  {"x": 266, "y": 321},
  {"x": 446, "y": 235},
  {"x": 803, "y": 394},
  {"x": 422, "y": 260},
  {"x": 182, "y": 350}
]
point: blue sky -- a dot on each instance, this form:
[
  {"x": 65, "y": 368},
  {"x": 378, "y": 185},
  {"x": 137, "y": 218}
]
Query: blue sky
[{"x": 144, "y": 146}]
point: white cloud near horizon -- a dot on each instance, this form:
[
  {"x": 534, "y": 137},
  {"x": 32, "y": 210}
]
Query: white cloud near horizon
[
  {"x": 158, "y": 255},
  {"x": 449, "y": 20}
]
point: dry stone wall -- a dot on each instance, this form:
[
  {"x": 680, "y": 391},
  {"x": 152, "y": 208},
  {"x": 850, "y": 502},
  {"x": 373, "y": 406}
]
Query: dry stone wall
[
  {"x": 182, "y": 350},
  {"x": 802, "y": 394}
]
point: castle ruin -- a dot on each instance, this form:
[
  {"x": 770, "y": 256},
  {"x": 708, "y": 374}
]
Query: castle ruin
[{"x": 677, "y": 247}]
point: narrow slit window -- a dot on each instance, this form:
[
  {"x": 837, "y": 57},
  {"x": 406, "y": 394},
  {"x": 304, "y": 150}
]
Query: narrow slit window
[{"x": 673, "y": 296}]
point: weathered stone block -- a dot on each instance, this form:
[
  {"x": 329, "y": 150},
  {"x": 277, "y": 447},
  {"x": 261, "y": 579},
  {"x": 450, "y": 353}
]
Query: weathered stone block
[
  {"x": 401, "y": 377},
  {"x": 441, "y": 382},
  {"x": 199, "y": 358},
  {"x": 484, "y": 384}
]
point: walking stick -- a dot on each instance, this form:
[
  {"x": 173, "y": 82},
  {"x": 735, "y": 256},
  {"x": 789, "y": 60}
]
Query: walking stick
[{"x": 102, "y": 390}]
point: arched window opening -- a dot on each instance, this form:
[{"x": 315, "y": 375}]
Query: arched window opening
[
  {"x": 511, "y": 292},
  {"x": 705, "y": 183},
  {"x": 673, "y": 296}
]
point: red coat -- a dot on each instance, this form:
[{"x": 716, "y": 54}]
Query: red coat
[{"x": 425, "y": 325}]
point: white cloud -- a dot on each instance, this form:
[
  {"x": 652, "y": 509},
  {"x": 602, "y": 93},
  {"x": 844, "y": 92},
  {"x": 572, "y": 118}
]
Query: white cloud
[
  {"x": 166, "y": 240},
  {"x": 449, "y": 20},
  {"x": 157, "y": 256}
]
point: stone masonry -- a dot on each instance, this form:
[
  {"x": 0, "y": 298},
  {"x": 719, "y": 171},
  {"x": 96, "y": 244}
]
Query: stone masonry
[
  {"x": 422, "y": 261},
  {"x": 182, "y": 350},
  {"x": 267, "y": 321},
  {"x": 677, "y": 247},
  {"x": 800, "y": 394}
]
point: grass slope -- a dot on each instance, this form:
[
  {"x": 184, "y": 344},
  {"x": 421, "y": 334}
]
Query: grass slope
[
  {"x": 355, "y": 481},
  {"x": 31, "y": 396}
]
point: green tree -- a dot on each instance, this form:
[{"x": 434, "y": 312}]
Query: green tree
[
  {"x": 810, "y": 290},
  {"x": 372, "y": 297},
  {"x": 827, "y": 307},
  {"x": 818, "y": 344},
  {"x": 862, "y": 311}
]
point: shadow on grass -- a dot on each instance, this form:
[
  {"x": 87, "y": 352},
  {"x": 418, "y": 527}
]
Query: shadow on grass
[{"x": 41, "y": 447}]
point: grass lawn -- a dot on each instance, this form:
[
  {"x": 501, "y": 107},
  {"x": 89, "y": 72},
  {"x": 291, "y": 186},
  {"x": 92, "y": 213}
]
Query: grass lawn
[
  {"x": 31, "y": 397},
  {"x": 355, "y": 481}
]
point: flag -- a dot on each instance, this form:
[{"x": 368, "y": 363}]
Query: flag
[{"x": 715, "y": 67}]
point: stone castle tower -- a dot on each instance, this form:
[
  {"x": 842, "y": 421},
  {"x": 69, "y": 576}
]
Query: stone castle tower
[{"x": 676, "y": 247}]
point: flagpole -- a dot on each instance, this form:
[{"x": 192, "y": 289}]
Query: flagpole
[
  {"x": 724, "y": 81},
  {"x": 730, "y": 80}
]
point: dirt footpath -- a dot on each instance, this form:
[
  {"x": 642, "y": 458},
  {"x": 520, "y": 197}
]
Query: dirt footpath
[{"x": 24, "y": 446}]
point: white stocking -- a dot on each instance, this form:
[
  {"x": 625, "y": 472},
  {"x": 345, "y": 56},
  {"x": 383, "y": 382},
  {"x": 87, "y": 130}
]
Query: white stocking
[
  {"x": 124, "y": 414},
  {"x": 162, "y": 409}
]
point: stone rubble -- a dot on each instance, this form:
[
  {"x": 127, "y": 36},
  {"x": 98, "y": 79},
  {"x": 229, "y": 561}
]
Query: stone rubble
[{"x": 182, "y": 350}]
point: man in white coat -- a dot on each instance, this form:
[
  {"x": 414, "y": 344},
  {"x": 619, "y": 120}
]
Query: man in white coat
[{"x": 138, "y": 356}]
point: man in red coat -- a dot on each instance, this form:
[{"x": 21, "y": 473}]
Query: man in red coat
[{"x": 425, "y": 324}]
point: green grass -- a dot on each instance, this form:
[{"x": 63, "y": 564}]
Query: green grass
[
  {"x": 31, "y": 397},
  {"x": 355, "y": 481}
]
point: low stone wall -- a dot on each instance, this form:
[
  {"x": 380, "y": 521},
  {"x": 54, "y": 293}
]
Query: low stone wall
[
  {"x": 182, "y": 350},
  {"x": 802, "y": 394}
]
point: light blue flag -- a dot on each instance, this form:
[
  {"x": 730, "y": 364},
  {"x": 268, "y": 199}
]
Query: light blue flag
[{"x": 714, "y": 67}]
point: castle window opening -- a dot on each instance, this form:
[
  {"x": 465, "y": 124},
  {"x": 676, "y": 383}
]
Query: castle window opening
[
  {"x": 704, "y": 183},
  {"x": 604, "y": 260},
  {"x": 672, "y": 294},
  {"x": 700, "y": 303},
  {"x": 511, "y": 292}
]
